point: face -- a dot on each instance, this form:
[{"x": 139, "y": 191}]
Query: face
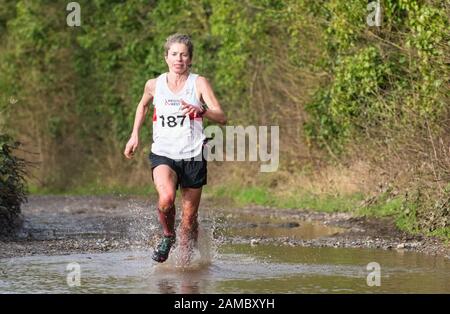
[{"x": 178, "y": 58}]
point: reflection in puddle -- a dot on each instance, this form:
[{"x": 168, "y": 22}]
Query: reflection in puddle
[
  {"x": 305, "y": 231},
  {"x": 247, "y": 225}
]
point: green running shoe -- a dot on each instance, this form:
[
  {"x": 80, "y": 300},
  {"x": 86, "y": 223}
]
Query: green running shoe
[{"x": 162, "y": 252}]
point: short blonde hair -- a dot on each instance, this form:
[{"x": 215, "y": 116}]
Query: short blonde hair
[{"x": 181, "y": 39}]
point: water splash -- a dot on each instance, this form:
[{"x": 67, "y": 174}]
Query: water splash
[
  {"x": 144, "y": 232},
  {"x": 202, "y": 254},
  {"x": 143, "y": 227}
]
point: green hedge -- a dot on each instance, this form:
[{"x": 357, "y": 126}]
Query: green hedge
[{"x": 12, "y": 186}]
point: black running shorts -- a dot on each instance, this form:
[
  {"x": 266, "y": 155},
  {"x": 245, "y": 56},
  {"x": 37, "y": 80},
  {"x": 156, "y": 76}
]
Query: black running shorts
[{"x": 190, "y": 173}]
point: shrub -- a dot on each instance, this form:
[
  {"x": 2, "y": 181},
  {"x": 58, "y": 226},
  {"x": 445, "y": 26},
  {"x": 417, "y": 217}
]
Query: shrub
[{"x": 12, "y": 184}]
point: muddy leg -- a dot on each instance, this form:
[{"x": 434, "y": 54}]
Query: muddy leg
[
  {"x": 165, "y": 182},
  {"x": 189, "y": 222}
]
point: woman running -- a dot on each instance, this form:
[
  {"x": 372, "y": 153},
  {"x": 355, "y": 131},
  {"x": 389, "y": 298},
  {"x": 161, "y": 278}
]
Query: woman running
[{"x": 181, "y": 101}]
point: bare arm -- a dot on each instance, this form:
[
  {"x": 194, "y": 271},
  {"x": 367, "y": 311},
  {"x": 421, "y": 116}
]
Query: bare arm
[
  {"x": 214, "y": 112},
  {"x": 141, "y": 112}
]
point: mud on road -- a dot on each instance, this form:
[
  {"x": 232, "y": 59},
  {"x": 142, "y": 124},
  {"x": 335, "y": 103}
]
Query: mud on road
[{"x": 58, "y": 225}]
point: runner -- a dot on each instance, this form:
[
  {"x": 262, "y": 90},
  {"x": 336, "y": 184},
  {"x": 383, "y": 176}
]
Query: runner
[{"x": 181, "y": 101}]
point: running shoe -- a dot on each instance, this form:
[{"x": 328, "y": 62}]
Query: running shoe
[{"x": 162, "y": 252}]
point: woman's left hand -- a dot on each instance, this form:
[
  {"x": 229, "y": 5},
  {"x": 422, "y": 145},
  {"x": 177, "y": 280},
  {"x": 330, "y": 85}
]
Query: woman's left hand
[{"x": 191, "y": 110}]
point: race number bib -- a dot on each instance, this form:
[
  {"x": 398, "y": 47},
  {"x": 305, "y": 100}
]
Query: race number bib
[{"x": 171, "y": 122}]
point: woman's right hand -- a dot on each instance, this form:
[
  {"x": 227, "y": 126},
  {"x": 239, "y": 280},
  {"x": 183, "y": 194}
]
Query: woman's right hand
[{"x": 131, "y": 147}]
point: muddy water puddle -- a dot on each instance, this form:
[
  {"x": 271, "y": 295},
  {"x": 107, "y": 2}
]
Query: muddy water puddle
[
  {"x": 231, "y": 269},
  {"x": 220, "y": 266}
]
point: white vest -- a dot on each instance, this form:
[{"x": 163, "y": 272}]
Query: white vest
[{"x": 176, "y": 136}]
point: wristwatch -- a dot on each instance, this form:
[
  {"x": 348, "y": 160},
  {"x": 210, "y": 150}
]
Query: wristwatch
[{"x": 204, "y": 109}]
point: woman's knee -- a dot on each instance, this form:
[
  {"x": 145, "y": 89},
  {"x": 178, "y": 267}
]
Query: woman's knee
[{"x": 166, "y": 202}]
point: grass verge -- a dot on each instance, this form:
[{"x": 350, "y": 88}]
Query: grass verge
[
  {"x": 401, "y": 210},
  {"x": 244, "y": 196}
]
